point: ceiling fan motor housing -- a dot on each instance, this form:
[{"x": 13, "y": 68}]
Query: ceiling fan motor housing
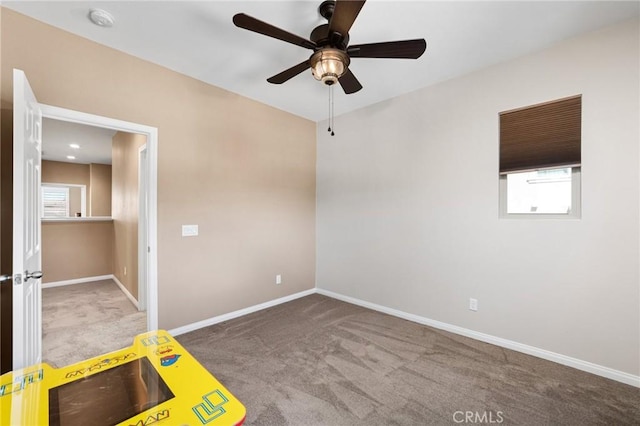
[
  {"x": 322, "y": 38},
  {"x": 321, "y": 35}
]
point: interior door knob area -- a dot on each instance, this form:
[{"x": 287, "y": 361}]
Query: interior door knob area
[{"x": 36, "y": 275}]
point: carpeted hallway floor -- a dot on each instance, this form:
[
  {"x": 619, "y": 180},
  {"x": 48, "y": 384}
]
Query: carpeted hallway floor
[
  {"x": 320, "y": 361},
  {"x": 81, "y": 321}
]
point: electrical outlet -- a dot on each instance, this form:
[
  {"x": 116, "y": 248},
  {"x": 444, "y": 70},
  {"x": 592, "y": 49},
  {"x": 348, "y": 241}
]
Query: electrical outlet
[
  {"x": 125, "y": 270},
  {"x": 473, "y": 304},
  {"x": 278, "y": 279}
]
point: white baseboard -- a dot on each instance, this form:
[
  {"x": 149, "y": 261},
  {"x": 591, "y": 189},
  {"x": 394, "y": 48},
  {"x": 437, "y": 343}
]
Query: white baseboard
[
  {"x": 241, "y": 312},
  {"x": 589, "y": 367},
  {"x": 91, "y": 279},
  {"x": 76, "y": 281},
  {"x": 125, "y": 291}
]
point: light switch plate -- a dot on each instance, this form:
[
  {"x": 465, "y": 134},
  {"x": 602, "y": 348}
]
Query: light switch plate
[{"x": 189, "y": 230}]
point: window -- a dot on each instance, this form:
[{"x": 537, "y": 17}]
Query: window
[
  {"x": 543, "y": 192},
  {"x": 63, "y": 200},
  {"x": 540, "y": 159},
  {"x": 55, "y": 201}
]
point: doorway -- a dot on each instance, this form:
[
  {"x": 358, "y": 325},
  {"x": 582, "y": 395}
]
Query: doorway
[
  {"x": 147, "y": 213},
  {"x": 92, "y": 298}
]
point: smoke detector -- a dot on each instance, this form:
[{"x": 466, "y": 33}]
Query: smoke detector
[{"x": 101, "y": 18}]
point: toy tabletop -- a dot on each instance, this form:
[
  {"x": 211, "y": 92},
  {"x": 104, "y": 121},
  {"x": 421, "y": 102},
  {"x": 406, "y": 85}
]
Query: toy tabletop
[{"x": 154, "y": 381}]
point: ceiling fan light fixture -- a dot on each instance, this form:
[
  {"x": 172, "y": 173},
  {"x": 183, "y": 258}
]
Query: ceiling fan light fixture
[{"x": 328, "y": 65}]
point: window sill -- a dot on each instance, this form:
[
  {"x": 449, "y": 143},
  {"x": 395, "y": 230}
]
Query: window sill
[
  {"x": 540, "y": 216},
  {"x": 78, "y": 219}
]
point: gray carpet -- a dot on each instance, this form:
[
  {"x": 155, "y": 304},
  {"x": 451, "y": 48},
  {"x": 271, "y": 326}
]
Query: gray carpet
[
  {"x": 319, "y": 361},
  {"x": 81, "y": 321}
]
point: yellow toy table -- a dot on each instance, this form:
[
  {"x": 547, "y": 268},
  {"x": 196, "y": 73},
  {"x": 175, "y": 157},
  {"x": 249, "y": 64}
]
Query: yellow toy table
[{"x": 154, "y": 381}]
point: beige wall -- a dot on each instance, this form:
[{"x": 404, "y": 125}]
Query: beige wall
[
  {"x": 408, "y": 206},
  {"x": 61, "y": 172},
  {"x": 73, "y": 250},
  {"x": 125, "y": 207},
  {"x": 100, "y": 194},
  {"x": 75, "y": 200},
  {"x": 243, "y": 171}
]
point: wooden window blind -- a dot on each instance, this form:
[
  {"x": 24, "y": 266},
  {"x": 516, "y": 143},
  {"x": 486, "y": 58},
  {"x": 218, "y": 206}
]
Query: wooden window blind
[{"x": 541, "y": 136}]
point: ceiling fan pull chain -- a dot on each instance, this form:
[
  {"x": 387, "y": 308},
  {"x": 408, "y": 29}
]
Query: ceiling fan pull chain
[
  {"x": 333, "y": 124},
  {"x": 329, "y": 128}
]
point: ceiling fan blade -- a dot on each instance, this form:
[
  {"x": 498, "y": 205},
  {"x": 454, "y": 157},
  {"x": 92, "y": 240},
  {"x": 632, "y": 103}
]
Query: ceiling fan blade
[
  {"x": 289, "y": 73},
  {"x": 349, "y": 82},
  {"x": 344, "y": 13},
  {"x": 247, "y": 22},
  {"x": 404, "y": 49}
]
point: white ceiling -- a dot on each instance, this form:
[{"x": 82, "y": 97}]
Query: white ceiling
[
  {"x": 199, "y": 39},
  {"x": 95, "y": 142}
]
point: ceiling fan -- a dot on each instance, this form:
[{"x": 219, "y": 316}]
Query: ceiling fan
[{"x": 332, "y": 54}]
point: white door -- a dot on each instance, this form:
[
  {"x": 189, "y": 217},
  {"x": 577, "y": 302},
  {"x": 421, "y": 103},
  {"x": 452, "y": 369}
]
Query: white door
[{"x": 27, "y": 260}]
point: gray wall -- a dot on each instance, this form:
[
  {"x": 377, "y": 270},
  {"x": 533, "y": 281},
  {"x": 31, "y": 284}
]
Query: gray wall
[{"x": 407, "y": 206}]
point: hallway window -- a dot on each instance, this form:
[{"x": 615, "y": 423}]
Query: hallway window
[{"x": 55, "y": 201}]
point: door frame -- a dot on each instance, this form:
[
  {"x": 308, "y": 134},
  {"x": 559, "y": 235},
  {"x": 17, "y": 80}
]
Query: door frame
[
  {"x": 143, "y": 231},
  {"x": 63, "y": 114}
]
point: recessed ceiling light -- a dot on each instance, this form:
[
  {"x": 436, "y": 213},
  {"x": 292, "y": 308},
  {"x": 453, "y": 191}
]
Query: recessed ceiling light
[
  {"x": 74, "y": 145},
  {"x": 71, "y": 157},
  {"x": 101, "y": 18}
]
